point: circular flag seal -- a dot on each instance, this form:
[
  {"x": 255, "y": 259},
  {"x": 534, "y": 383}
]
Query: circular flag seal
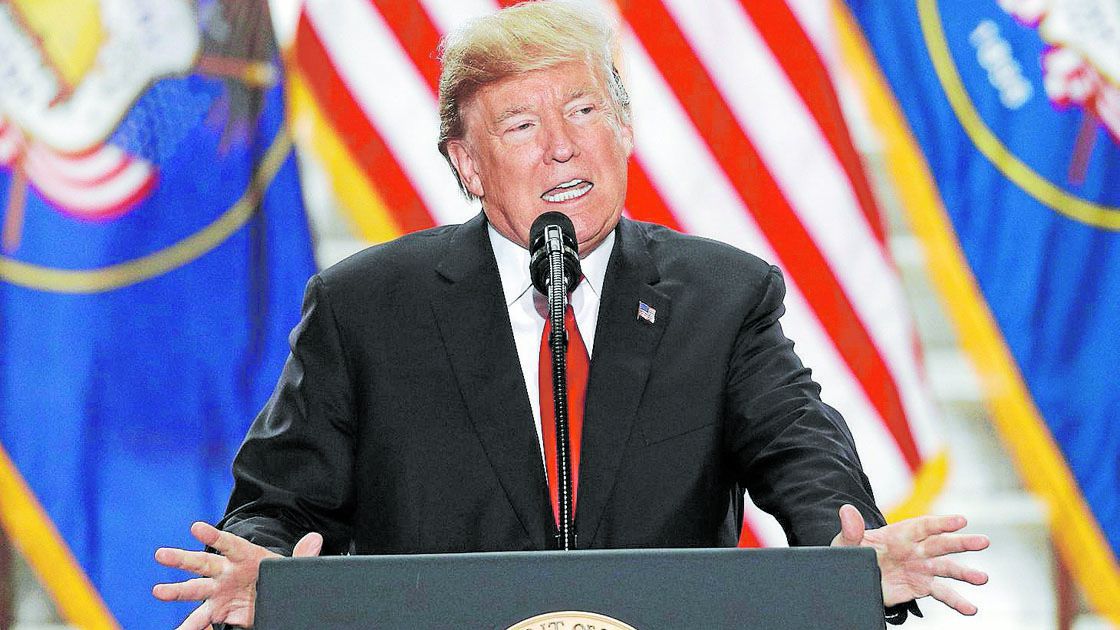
[{"x": 1035, "y": 86}]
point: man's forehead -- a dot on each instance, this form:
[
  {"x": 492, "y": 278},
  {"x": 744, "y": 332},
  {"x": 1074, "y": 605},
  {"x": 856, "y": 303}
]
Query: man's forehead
[
  {"x": 528, "y": 102},
  {"x": 532, "y": 90}
]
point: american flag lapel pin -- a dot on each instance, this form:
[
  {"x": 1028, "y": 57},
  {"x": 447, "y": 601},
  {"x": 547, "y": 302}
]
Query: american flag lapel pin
[{"x": 646, "y": 312}]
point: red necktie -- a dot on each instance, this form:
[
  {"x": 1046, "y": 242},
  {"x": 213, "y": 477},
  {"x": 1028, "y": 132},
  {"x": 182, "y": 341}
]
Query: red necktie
[{"x": 578, "y": 366}]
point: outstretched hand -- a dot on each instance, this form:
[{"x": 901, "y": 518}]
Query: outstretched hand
[
  {"x": 228, "y": 586},
  {"x": 911, "y": 554}
]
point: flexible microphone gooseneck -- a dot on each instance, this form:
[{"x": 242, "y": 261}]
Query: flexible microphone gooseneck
[{"x": 554, "y": 268}]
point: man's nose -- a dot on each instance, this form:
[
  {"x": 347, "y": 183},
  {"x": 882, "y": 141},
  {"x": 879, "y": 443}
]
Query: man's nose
[{"x": 562, "y": 144}]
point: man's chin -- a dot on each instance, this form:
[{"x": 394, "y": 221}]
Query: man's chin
[{"x": 592, "y": 243}]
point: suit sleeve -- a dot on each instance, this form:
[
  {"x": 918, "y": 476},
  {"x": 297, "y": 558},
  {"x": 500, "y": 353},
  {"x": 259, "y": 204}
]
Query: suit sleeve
[
  {"x": 794, "y": 454},
  {"x": 293, "y": 473}
]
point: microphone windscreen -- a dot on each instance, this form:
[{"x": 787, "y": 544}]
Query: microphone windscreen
[
  {"x": 536, "y": 232},
  {"x": 538, "y": 254}
]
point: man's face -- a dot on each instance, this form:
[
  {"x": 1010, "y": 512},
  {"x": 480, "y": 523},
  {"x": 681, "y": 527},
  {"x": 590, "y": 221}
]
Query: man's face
[{"x": 545, "y": 140}]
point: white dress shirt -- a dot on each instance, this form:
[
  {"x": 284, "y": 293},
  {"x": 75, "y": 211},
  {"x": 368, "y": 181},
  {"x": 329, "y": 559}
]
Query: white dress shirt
[{"x": 528, "y": 309}]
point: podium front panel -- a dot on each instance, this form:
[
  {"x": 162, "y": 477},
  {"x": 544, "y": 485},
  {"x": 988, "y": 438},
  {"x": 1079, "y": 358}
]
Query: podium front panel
[{"x": 811, "y": 587}]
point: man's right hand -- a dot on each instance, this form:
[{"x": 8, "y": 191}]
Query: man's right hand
[{"x": 228, "y": 586}]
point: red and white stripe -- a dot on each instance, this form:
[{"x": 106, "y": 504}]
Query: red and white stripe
[
  {"x": 99, "y": 184},
  {"x": 9, "y": 142},
  {"x": 739, "y": 137},
  {"x": 394, "y": 96}
]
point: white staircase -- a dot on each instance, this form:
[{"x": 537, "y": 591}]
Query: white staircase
[{"x": 982, "y": 483}]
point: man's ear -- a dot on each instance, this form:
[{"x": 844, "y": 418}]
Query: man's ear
[
  {"x": 628, "y": 139},
  {"x": 460, "y": 155}
]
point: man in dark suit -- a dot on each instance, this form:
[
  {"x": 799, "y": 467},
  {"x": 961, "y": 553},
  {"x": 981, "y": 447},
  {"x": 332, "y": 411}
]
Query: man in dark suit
[{"x": 402, "y": 423}]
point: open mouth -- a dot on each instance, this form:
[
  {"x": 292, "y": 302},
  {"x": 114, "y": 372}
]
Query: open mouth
[{"x": 572, "y": 189}]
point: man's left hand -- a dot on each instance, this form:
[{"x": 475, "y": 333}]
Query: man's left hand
[{"x": 913, "y": 552}]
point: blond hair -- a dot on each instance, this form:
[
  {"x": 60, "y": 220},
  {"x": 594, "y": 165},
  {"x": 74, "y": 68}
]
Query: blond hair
[{"x": 522, "y": 38}]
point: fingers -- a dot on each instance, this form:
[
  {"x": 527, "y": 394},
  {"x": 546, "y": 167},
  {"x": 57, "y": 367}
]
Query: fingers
[
  {"x": 309, "y": 545},
  {"x": 229, "y": 545},
  {"x": 946, "y": 595},
  {"x": 196, "y": 589},
  {"x": 199, "y": 562},
  {"x": 852, "y": 527},
  {"x": 943, "y": 567},
  {"x": 206, "y": 533},
  {"x": 927, "y": 526},
  {"x": 944, "y": 544},
  {"x": 198, "y": 620}
]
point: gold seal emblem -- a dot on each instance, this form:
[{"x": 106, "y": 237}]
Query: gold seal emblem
[{"x": 571, "y": 620}]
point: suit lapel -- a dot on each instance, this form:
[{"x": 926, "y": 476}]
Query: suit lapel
[
  {"x": 474, "y": 323},
  {"x": 620, "y": 366}
]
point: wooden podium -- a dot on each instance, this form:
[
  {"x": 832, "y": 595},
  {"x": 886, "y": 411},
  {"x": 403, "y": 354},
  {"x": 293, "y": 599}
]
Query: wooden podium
[{"x": 787, "y": 589}]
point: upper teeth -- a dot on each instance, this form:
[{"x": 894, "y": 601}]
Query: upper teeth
[{"x": 568, "y": 194}]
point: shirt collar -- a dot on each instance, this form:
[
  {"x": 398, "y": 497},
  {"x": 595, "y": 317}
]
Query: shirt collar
[{"x": 513, "y": 265}]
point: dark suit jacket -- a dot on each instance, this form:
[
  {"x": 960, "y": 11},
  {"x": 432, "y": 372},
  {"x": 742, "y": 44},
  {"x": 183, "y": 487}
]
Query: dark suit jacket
[{"x": 402, "y": 423}]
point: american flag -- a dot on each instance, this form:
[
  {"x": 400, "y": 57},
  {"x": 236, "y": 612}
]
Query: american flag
[
  {"x": 646, "y": 312},
  {"x": 739, "y": 137},
  {"x": 100, "y": 183}
]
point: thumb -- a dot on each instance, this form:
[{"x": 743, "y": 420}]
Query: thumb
[
  {"x": 308, "y": 546},
  {"x": 852, "y": 527}
]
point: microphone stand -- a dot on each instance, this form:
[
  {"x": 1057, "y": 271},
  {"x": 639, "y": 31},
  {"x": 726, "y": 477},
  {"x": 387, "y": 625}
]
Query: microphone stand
[{"x": 558, "y": 344}]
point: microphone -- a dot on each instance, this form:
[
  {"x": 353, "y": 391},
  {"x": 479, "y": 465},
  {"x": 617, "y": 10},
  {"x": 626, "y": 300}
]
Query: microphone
[
  {"x": 554, "y": 268},
  {"x": 553, "y": 232}
]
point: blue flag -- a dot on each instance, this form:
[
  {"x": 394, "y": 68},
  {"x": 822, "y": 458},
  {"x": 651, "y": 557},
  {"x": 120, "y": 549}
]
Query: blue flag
[
  {"x": 1014, "y": 107},
  {"x": 153, "y": 251}
]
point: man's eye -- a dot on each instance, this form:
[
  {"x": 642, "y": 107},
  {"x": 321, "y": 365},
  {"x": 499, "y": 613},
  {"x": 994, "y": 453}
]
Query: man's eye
[
  {"x": 585, "y": 110},
  {"x": 522, "y": 127}
]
